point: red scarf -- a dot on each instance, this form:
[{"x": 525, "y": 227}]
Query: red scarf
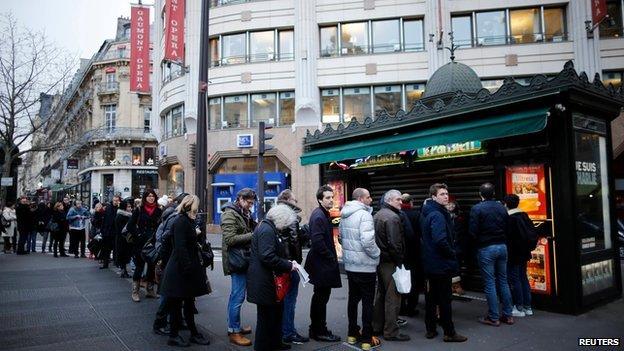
[
  {"x": 150, "y": 208},
  {"x": 406, "y": 206}
]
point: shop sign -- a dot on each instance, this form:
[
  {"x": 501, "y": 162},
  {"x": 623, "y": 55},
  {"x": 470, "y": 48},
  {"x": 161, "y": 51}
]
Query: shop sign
[
  {"x": 599, "y": 11},
  {"x": 449, "y": 150},
  {"x": 244, "y": 140},
  {"x": 72, "y": 163},
  {"x": 529, "y": 183},
  {"x": 145, "y": 171},
  {"x": 139, "y": 49},
  {"x": 596, "y": 276},
  {"x": 378, "y": 161},
  {"x": 538, "y": 268},
  {"x": 6, "y": 181}
]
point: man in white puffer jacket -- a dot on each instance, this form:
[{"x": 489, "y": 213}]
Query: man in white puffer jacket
[{"x": 361, "y": 258}]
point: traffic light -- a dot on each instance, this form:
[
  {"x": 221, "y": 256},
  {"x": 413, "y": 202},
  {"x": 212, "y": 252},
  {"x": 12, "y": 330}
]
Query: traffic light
[{"x": 263, "y": 137}]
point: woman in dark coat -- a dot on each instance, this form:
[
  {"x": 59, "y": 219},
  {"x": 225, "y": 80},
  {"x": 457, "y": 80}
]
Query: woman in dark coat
[
  {"x": 142, "y": 226},
  {"x": 43, "y": 215},
  {"x": 268, "y": 259},
  {"x": 58, "y": 235},
  {"x": 184, "y": 277},
  {"x": 123, "y": 250}
]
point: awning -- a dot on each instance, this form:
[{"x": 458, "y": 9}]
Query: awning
[{"x": 488, "y": 128}]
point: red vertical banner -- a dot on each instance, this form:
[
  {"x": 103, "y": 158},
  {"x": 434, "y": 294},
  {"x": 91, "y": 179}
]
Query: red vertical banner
[
  {"x": 139, "y": 49},
  {"x": 599, "y": 11},
  {"x": 174, "y": 31}
]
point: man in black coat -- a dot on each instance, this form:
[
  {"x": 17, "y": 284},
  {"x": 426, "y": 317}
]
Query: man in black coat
[
  {"x": 25, "y": 223},
  {"x": 322, "y": 265},
  {"x": 108, "y": 230},
  {"x": 412, "y": 260}
]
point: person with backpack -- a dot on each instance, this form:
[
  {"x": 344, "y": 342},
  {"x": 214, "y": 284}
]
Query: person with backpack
[{"x": 521, "y": 240}]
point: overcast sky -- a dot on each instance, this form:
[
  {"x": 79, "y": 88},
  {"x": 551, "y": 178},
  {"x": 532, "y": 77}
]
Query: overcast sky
[{"x": 79, "y": 26}]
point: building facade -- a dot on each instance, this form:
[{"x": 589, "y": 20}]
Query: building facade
[
  {"x": 299, "y": 64},
  {"x": 108, "y": 145}
]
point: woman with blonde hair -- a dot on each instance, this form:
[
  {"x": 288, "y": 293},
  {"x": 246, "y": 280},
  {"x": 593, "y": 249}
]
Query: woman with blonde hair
[{"x": 184, "y": 277}]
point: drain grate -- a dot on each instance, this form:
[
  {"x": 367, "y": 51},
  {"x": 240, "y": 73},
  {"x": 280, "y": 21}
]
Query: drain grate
[{"x": 342, "y": 347}]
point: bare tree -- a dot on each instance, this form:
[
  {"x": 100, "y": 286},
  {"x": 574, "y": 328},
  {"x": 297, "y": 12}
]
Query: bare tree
[{"x": 29, "y": 65}]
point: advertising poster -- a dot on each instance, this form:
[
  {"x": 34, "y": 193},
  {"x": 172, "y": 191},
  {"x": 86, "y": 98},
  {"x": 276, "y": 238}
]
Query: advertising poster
[
  {"x": 538, "y": 268},
  {"x": 339, "y": 192},
  {"x": 339, "y": 200},
  {"x": 597, "y": 276},
  {"x": 529, "y": 183}
]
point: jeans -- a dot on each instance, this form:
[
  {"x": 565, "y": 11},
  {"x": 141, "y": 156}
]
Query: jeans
[
  {"x": 361, "y": 288},
  {"x": 45, "y": 235},
  {"x": 290, "y": 300},
  {"x": 237, "y": 297},
  {"x": 493, "y": 265},
  {"x": 268, "y": 333},
  {"x": 519, "y": 285},
  {"x": 31, "y": 242},
  {"x": 438, "y": 294},
  {"x": 387, "y": 301}
]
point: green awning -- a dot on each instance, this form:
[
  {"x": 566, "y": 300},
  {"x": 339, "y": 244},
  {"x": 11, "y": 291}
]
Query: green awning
[{"x": 480, "y": 129}]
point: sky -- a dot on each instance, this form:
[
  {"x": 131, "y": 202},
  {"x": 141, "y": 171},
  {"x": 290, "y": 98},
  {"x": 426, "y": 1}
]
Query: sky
[{"x": 79, "y": 26}]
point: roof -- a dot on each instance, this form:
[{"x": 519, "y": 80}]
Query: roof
[{"x": 451, "y": 78}]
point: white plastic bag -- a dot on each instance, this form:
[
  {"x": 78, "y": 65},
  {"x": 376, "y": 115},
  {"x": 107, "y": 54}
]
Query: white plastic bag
[{"x": 402, "y": 280}]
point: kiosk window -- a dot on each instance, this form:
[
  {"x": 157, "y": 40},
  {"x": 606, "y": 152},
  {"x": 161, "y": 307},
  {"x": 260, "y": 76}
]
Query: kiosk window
[{"x": 221, "y": 201}]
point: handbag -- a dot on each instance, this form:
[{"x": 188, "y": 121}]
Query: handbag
[
  {"x": 95, "y": 247},
  {"x": 282, "y": 285},
  {"x": 53, "y": 226},
  {"x": 238, "y": 259},
  {"x": 206, "y": 256},
  {"x": 151, "y": 252}
]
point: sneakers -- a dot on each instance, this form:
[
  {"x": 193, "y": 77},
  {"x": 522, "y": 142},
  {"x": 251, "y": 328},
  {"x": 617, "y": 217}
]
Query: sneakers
[
  {"x": 373, "y": 343},
  {"x": 517, "y": 313},
  {"x": 488, "y": 321},
  {"x": 401, "y": 322},
  {"x": 135, "y": 292},
  {"x": 507, "y": 320},
  {"x": 455, "y": 338},
  {"x": 296, "y": 339},
  {"x": 327, "y": 336},
  {"x": 528, "y": 311},
  {"x": 239, "y": 340},
  {"x": 150, "y": 292}
]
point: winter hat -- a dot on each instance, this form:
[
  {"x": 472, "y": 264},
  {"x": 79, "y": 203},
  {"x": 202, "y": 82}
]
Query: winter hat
[{"x": 163, "y": 201}]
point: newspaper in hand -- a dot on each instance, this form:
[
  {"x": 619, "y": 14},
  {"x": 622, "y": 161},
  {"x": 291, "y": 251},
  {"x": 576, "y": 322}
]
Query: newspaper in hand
[{"x": 305, "y": 278}]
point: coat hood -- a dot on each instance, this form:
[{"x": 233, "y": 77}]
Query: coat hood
[
  {"x": 167, "y": 213},
  {"x": 352, "y": 207},
  {"x": 232, "y": 206}
]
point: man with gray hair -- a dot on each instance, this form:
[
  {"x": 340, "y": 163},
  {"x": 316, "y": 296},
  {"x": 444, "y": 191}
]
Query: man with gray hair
[
  {"x": 390, "y": 239},
  {"x": 360, "y": 255}
]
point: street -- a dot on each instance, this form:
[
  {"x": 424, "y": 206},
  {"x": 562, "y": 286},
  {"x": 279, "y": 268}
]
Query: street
[{"x": 49, "y": 303}]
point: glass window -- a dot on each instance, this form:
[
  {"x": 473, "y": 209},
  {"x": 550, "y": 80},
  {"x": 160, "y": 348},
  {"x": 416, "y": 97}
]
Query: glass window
[
  {"x": 612, "y": 27},
  {"x": 175, "y": 181},
  {"x": 214, "y": 52},
  {"x": 147, "y": 112},
  {"x": 235, "y": 111},
  {"x": 413, "y": 92},
  {"x": 233, "y": 49},
  {"x": 554, "y": 24},
  {"x": 329, "y": 41},
  {"x": 214, "y": 113},
  {"x": 262, "y": 46},
  {"x": 136, "y": 156},
  {"x": 110, "y": 117},
  {"x": 413, "y": 35},
  {"x": 462, "y": 30},
  {"x": 108, "y": 154},
  {"x": 388, "y": 98},
  {"x": 386, "y": 36},
  {"x": 525, "y": 26},
  {"x": 614, "y": 78},
  {"x": 150, "y": 155},
  {"x": 331, "y": 105},
  {"x": 354, "y": 38},
  {"x": 286, "y": 45},
  {"x": 491, "y": 28},
  {"x": 287, "y": 108},
  {"x": 263, "y": 108},
  {"x": 177, "y": 119},
  {"x": 356, "y": 103}
]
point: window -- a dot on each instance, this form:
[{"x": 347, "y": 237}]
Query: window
[
  {"x": 356, "y": 103},
  {"x": 554, "y": 24},
  {"x": 612, "y": 27},
  {"x": 262, "y": 46},
  {"x": 171, "y": 71},
  {"x": 354, "y": 38},
  {"x": 462, "y": 30},
  {"x": 150, "y": 155},
  {"x": 287, "y": 108},
  {"x": 263, "y": 108},
  {"x": 413, "y": 92},
  {"x": 330, "y": 101},
  {"x": 329, "y": 41},
  {"x": 108, "y": 154},
  {"x": 525, "y": 26},
  {"x": 234, "y": 49},
  {"x": 388, "y": 98},
  {"x": 147, "y": 112},
  {"x": 214, "y": 112},
  {"x": 177, "y": 121},
  {"x": 386, "y": 36},
  {"x": 235, "y": 111},
  {"x": 614, "y": 78},
  {"x": 136, "y": 156},
  {"x": 175, "y": 181},
  {"x": 214, "y": 52},
  {"x": 286, "y": 45},
  {"x": 111, "y": 83},
  {"x": 110, "y": 118},
  {"x": 413, "y": 35},
  {"x": 491, "y": 28}
]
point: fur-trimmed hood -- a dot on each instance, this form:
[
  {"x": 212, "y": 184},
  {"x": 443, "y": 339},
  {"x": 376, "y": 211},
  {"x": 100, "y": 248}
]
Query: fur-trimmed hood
[{"x": 282, "y": 216}]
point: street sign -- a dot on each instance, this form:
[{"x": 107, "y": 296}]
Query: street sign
[
  {"x": 6, "y": 181},
  {"x": 244, "y": 140}
]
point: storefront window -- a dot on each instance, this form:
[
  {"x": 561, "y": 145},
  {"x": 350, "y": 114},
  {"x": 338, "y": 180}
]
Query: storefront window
[
  {"x": 592, "y": 191},
  {"x": 614, "y": 78},
  {"x": 491, "y": 28},
  {"x": 214, "y": 112},
  {"x": 330, "y": 99},
  {"x": 263, "y": 108},
  {"x": 286, "y": 45},
  {"x": 235, "y": 111},
  {"x": 554, "y": 24},
  {"x": 214, "y": 52},
  {"x": 250, "y": 165},
  {"x": 175, "y": 180},
  {"x": 413, "y": 92},
  {"x": 354, "y": 38},
  {"x": 525, "y": 26},
  {"x": 136, "y": 156},
  {"x": 413, "y": 35},
  {"x": 329, "y": 41},
  {"x": 386, "y": 36},
  {"x": 262, "y": 46},
  {"x": 462, "y": 30},
  {"x": 287, "y": 108},
  {"x": 356, "y": 103},
  {"x": 150, "y": 155},
  {"x": 234, "y": 49},
  {"x": 612, "y": 27},
  {"x": 388, "y": 98}
]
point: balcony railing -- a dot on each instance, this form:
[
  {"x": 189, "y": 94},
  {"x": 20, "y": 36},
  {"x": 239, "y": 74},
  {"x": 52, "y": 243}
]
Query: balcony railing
[
  {"x": 115, "y": 55},
  {"x": 108, "y": 88}
]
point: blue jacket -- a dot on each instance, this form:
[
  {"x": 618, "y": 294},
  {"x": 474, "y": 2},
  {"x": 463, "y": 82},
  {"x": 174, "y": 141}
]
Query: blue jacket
[
  {"x": 488, "y": 223},
  {"x": 438, "y": 250},
  {"x": 74, "y": 217}
]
